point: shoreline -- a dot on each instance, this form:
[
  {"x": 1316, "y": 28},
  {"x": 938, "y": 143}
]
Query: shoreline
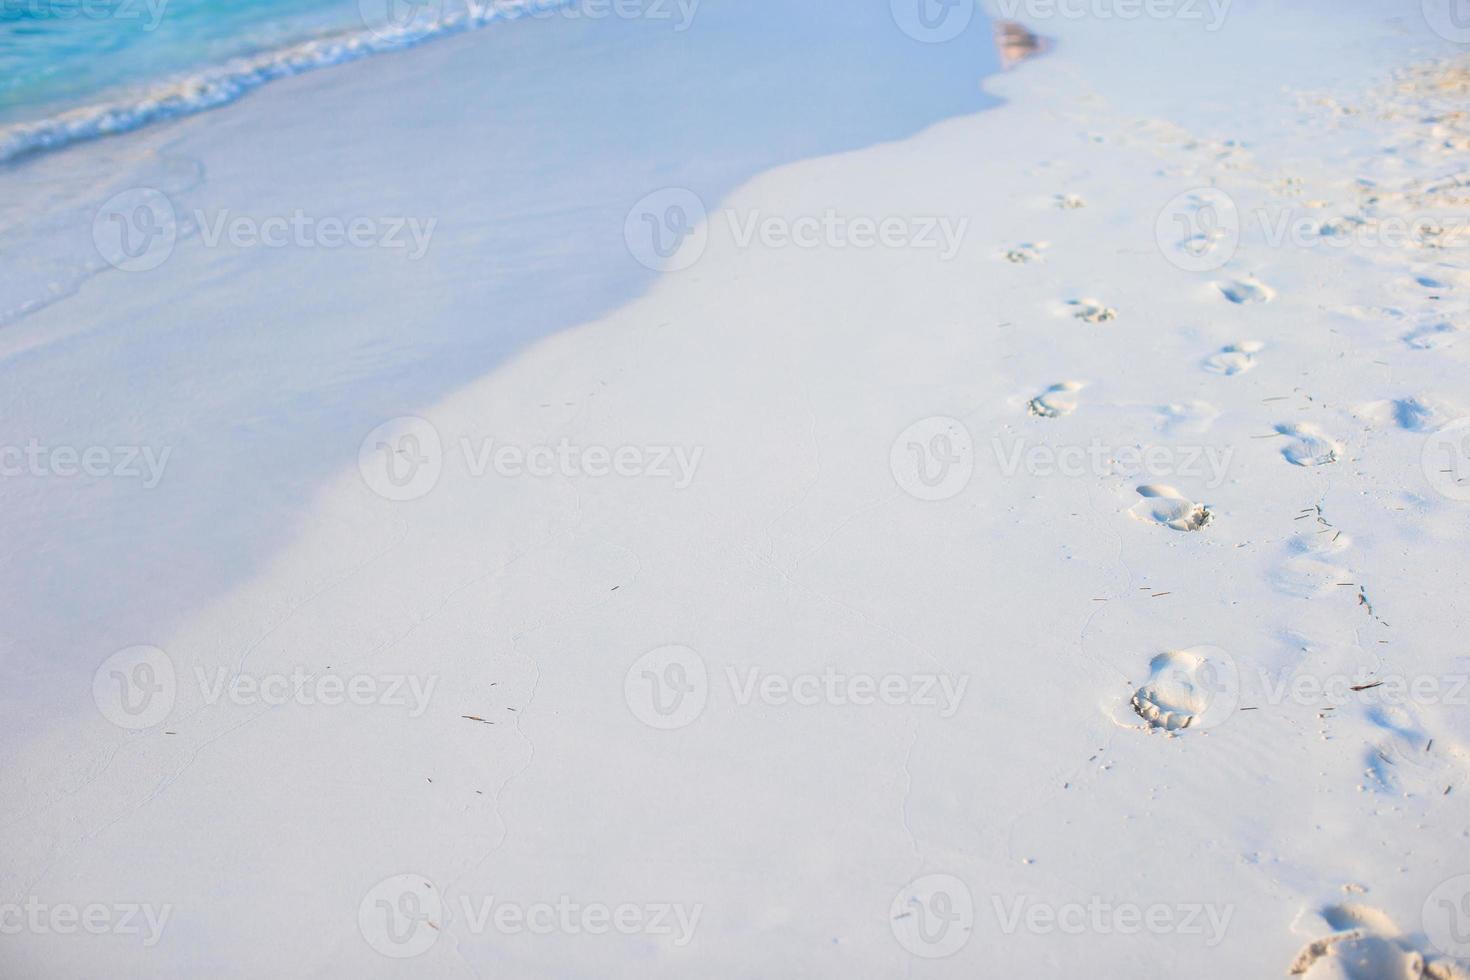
[
  {"x": 219, "y": 85},
  {"x": 1017, "y": 655}
]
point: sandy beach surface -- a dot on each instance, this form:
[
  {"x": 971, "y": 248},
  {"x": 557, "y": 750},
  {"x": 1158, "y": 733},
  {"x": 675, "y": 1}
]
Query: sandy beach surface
[{"x": 788, "y": 490}]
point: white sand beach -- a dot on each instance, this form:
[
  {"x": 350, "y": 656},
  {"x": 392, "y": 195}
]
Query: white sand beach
[{"x": 762, "y": 491}]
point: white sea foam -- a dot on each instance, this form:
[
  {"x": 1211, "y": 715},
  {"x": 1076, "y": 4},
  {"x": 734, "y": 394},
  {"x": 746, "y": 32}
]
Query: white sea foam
[{"x": 225, "y": 83}]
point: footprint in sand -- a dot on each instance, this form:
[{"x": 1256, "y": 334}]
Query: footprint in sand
[
  {"x": 1415, "y": 415},
  {"x": 1341, "y": 227},
  {"x": 1360, "y": 942},
  {"x": 1167, "y": 507},
  {"x": 1025, "y": 252},
  {"x": 1397, "y": 761},
  {"x": 1194, "y": 688},
  {"x": 1247, "y": 290},
  {"x": 1091, "y": 311},
  {"x": 1309, "y": 445},
  {"x": 1431, "y": 336},
  {"x": 1412, "y": 414},
  {"x": 1309, "y": 570},
  {"x": 1187, "y": 418},
  {"x": 1056, "y": 401},
  {"x": 1427, "y": 286},
  {"x": 1368, "y": 314},
  {"x": 1234, "y": 359},
  {"x": 1069, "y": 202}
]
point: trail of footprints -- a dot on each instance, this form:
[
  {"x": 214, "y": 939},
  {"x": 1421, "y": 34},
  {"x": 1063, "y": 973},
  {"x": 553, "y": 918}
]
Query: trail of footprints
[{"x": 1347, "y": 941}]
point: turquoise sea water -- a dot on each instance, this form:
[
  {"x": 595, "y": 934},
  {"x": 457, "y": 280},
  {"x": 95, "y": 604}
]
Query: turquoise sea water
[
  {"x": 62, "y": 54},
  {"x": 74, "y": 70}
]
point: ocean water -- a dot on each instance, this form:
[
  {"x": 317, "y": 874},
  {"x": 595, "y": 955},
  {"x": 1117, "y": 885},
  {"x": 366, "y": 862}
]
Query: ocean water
[
  {"x": 77, "y": 69},
  {"x": 62, "y": 54}
]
